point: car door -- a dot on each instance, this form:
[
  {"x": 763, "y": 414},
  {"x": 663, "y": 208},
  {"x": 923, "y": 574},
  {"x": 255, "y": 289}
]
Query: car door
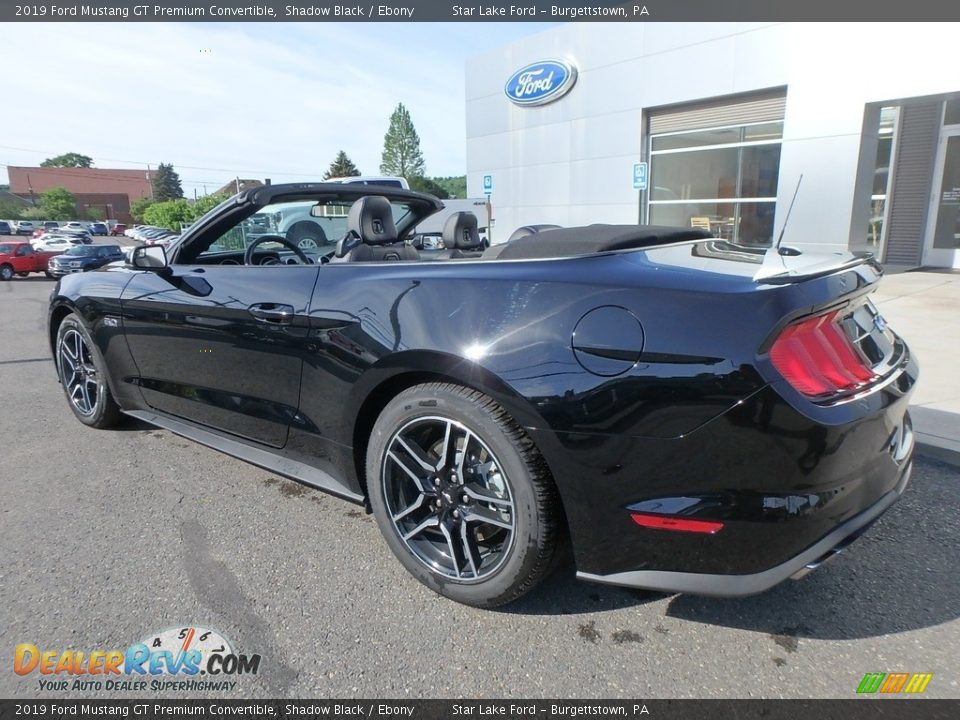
[{"x": 222, "y": 345}]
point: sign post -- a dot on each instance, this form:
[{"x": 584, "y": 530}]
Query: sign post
[{"x": 488, "y": 191}]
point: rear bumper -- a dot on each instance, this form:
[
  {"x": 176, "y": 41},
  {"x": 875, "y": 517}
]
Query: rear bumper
[
  {"x": 787, "y": 486},
  {"x": 740, "y": 585}
]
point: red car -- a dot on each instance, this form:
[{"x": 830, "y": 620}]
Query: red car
[
  {"x": 118, "y": 229},
  {"x": 19, "y": 258}
]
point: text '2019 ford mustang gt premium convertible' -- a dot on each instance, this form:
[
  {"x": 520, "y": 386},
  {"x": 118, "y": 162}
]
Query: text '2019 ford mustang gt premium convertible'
[{"x": 689, "y": 414}]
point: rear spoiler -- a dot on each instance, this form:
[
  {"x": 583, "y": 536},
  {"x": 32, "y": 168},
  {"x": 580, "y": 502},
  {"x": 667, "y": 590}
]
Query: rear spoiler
[{"x": 784, "y": 269}]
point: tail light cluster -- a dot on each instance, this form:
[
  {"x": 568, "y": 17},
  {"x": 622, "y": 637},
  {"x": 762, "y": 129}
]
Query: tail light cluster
[{"x": 818, "y": 359}]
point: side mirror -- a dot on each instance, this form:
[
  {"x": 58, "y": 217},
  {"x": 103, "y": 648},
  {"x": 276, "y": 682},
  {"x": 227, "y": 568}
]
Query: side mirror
[{"x": 149, "y": 257}]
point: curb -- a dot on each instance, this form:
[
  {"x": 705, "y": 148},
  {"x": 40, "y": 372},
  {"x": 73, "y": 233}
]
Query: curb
[{"x": 937, "y": 434}]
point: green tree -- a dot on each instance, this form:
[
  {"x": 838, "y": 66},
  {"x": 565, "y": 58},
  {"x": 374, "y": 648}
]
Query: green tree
[
  {"x": 401, "y": 147},
  {"x": 139, "y": 207},
  {"x": 58, "y": 204},
  {"x": 205, "y": 204},
  {"x": 10, "y": 211},
  {"x": 34, "y": 213},
  {"x": 166, "y": 183},
  {"x": 169, "y": 214},
  {"x": 428, "y": 185},
  {"x": 342, "y": 166},
  {"x": 455, "y": 185},
  {"x": 71, "y": 160},
  {"x": 95, "y": 213}
]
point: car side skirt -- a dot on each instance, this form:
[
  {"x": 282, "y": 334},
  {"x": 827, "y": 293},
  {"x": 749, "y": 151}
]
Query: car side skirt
[
  {"x": 743, "y": 585},
  {"x": 287, "y": 467}
]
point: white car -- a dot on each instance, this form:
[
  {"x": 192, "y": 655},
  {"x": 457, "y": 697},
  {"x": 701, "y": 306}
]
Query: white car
[
  {"x": 74, "y": 225},
  {"x": 23, "y": 227},
  {"x": 51, "y": 242}
]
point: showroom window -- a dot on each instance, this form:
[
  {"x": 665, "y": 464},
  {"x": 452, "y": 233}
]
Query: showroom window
[
  {"x": 881, "y": 180},
  {"x": 716, "y": 167}
]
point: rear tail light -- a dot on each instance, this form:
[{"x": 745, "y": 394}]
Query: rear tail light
[{"x": 818, "y": 359}]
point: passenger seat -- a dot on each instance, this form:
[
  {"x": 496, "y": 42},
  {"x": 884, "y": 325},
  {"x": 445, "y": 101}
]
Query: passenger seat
[{"x": 461, "y": 239}]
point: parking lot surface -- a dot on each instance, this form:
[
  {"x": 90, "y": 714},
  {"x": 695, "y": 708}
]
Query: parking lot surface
[{"x": 108, "y": 537}]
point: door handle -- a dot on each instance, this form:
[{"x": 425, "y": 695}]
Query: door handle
[{"x": 272, "y": 312}]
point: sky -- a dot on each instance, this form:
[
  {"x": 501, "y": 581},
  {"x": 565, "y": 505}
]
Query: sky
[{"x": 273, "y": 100}]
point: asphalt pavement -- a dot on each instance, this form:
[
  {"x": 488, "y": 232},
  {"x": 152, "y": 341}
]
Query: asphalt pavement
[{"x": 108, "y": 537}]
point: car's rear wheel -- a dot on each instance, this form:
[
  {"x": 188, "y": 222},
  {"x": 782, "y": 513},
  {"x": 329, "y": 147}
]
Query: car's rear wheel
[
  {"x": 83, "y": 376},
  {"x": 461, "y": 495}
]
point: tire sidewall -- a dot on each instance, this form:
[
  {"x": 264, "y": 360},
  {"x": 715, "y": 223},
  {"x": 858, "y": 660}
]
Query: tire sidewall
[
  {"x": 433, "y": 400},
  {"x": 6, "y": 272}
]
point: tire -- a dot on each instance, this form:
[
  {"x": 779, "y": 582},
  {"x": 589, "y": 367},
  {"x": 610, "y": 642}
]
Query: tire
[
  {"x": 306, "y": 235},
  {"x": 436, "y": 524},
  {"x": 49, "y": 276},
  {"x": 79, "y": 378},
  {"x": 6, "y": 272}
]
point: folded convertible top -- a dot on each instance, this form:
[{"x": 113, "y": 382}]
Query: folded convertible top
[{"x": 565, "y": 242}]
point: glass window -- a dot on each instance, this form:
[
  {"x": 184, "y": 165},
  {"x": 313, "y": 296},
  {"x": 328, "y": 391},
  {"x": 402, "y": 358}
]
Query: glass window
[
  {"x": 951, "y": 115},
  {"x": 313, "y": 226},
  {"x": 873, "y": 235},
  {"x": 729, "y": 190}
]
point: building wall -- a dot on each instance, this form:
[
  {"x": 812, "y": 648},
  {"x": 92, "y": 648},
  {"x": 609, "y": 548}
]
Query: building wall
[
  {"x": 570, "y": 162},
  {"x": 135, "y": 184}
]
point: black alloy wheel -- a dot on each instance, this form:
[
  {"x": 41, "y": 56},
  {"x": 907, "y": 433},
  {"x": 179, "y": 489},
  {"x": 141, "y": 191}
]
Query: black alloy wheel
[
  {"x": 82, "y": 374},
  {"x": 461, "y": 495}
]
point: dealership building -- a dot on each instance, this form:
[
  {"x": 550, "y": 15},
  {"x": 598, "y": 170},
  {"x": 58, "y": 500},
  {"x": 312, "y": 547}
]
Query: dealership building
[{"x": 712, "y": 125}]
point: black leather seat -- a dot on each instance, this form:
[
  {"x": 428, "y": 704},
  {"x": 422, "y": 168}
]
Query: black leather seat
[
  {"x": 461, "y": 239},
  {"x": 372, "y": 235}
]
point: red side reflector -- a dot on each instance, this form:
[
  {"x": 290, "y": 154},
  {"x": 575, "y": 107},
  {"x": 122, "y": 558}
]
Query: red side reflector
[
  {"x": 661, "y": 522},
  {"x": 818, "y": 359}
]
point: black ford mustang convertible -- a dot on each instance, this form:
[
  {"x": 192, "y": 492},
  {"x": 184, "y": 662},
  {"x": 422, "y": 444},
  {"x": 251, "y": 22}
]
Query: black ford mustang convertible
[{"x": 688, "y": 414}]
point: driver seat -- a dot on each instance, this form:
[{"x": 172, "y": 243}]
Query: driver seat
[{"x": 372, "y": 234}]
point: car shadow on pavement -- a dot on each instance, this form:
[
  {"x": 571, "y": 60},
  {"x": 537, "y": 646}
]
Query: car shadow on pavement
[{"x": 903, "y": 574}]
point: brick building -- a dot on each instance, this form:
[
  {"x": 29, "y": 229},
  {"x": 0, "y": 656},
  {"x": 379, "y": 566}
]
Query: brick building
[{"x": 109, "y": 190}]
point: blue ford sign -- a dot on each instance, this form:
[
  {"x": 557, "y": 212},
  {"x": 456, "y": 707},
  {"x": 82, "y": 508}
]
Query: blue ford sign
[{"x": 541, "y": 82}]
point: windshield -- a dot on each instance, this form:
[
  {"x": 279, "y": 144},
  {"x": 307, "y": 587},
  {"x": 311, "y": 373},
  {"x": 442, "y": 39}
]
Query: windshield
[{"x": 308, "y": 224}]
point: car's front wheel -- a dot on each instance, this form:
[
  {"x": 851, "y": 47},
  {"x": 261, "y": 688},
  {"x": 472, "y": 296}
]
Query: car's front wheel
[
  {"x": 461, "y": 495},
  {"x": 6, "y": 272},
  {"x": 83, "y": 376}
]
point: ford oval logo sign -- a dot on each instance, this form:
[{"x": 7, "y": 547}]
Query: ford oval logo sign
[{"x": 541, "y": 82}]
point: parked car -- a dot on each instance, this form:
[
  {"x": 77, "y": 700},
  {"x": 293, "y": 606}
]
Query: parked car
[
  {"x": 76, "y": 225},
  {"x": 20, "y": 258},
  {"x": 99, "y": 228},
  {"x": 118, "y": 229},
  {"x": 51, "y": 225},
  {"x": 83, "y": 235},
  {"x": 5, "y": 228},
  {"x": 24, "y": 227},
  {"x": 84, "y": 258},
  {"x": 56, "y": 242},
  {"x": 692, "y": 417}
]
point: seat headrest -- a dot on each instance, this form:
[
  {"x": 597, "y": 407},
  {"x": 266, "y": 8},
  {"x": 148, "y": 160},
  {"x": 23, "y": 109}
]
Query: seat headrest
[
  {"x": 371, "y": 220},
  {"x": 460, "y": 232}
]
